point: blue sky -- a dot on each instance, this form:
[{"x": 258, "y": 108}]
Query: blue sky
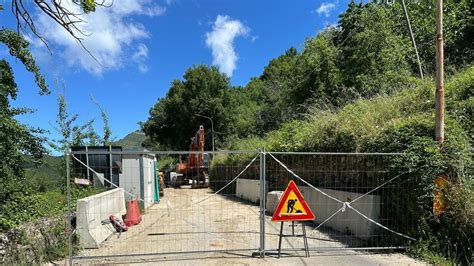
[{"x": 144, "y": 45}]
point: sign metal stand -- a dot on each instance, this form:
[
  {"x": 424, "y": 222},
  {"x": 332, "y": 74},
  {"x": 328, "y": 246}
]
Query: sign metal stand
[
  {"x": 292, "y": 207},
  {"x": 305, "y": 239}
]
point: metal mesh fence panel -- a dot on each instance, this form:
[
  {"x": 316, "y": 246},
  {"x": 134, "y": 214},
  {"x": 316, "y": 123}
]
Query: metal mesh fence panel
[
  {"x": 226, "y": 203},
  {"x": 365, "y": 182},
  {"x": 176, "y": 216}
]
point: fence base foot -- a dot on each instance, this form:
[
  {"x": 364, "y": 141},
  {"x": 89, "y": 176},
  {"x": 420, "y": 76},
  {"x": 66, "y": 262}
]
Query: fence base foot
[{"x": 258, "y": 254}]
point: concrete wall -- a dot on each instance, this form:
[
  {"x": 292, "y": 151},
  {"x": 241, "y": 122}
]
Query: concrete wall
[
  {"x": 348, "y": 221},
  {"x": 273, "y": 198},
  {"x": 248, "y": 189},
  {"x": 323, "y": 207},
  {"x": 91, "y": 211}
]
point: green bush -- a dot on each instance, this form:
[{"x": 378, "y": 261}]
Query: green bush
[
  {"x": 448, "y": 234},
  {"x": 31, "y": 207},
  {"x": 42, "y": 242},
  {"x": 39, "y": 241},
  {"x": 460, "y": 100}
]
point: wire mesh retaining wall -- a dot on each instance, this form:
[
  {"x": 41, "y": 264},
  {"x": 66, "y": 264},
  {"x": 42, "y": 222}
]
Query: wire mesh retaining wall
[{"x": 229, "y": 215}]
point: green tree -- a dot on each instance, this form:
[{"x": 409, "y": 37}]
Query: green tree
[
  {"x": 374, "y": 59},
  {"x": 21, "y": 144},
  {"x": 92, "y": 136},
  {"x": 72, "y": 133},
  {"x": 17, "y": 140},
  {"x": 173, "y": 119},
  {"x": 247, "y": 109},
  {"x": 278, "y": 78},
  {"x": 458, "y": 32},
  {"x": 107, "y": 131},
  {"x": 321, "y": 77}
]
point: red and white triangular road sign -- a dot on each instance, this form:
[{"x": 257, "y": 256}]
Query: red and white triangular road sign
[{"x": 292, "y": 206}]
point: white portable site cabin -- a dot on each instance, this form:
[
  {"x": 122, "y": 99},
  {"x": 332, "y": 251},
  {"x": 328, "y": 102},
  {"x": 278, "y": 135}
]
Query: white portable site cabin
[
  {"x": 133, "y": 170},
  {"x": 138, "y": 177}
]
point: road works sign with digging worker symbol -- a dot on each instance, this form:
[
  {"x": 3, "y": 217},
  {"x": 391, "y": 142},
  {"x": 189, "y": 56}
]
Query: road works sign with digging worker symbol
[{"x": 292, "y": 206}]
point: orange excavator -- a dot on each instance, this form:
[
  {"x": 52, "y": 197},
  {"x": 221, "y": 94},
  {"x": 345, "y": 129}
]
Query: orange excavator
[{"x": 194, "y": 170}]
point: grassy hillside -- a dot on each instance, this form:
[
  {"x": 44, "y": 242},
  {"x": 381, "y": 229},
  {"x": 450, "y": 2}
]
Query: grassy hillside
[{"x": 369, "y": 124}]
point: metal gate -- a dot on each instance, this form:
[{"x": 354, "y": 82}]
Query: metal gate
[
  {"x": 359, "y": 201},
  {"x": 352, "y": 195}
]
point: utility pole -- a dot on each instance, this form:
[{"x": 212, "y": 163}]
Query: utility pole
[
  {"x": 420, "y": 69},
  {"x": 439, "y": 120}
]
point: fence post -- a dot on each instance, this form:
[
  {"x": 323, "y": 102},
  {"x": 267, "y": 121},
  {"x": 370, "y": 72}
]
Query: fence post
[
  {"x": 69, "y": 229},
  {"x": 262, "y": 202},
  {"x": 110, "y": 168}
]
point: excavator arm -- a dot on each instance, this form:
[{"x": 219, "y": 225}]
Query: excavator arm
[{"x": 194, "y": 169}]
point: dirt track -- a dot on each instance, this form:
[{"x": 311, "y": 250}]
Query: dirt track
[{"x": 187, "y": 221}]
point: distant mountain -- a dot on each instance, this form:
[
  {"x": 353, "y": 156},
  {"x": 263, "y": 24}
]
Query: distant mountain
[{"x": 133, "y": 140}]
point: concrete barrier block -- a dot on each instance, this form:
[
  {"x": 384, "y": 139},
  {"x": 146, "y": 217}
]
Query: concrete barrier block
[
  {"x": 349, "y": 221},
  {"x": 248, "y": 189},
  {"x": 91, "y": 211},
  {"x": 273, "y": 198}
]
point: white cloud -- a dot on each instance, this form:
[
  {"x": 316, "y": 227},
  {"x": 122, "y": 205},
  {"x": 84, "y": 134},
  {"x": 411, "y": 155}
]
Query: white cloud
[
  {"x": 140, "y": 56},
  {"x": 325, "y": 8},
  {"x": 111, "y": 35},
  {"x": 155, "y": 11},
  {"x": 221, "y": 41},
  {"x": 138, "y": 7}
]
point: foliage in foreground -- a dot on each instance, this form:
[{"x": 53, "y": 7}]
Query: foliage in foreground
[
  {"x": 37, "y": 242},
  {"x": 17, "y": 141},
  {"x": 35, "y": 225},
  {"x": 33, "y": 206}
]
